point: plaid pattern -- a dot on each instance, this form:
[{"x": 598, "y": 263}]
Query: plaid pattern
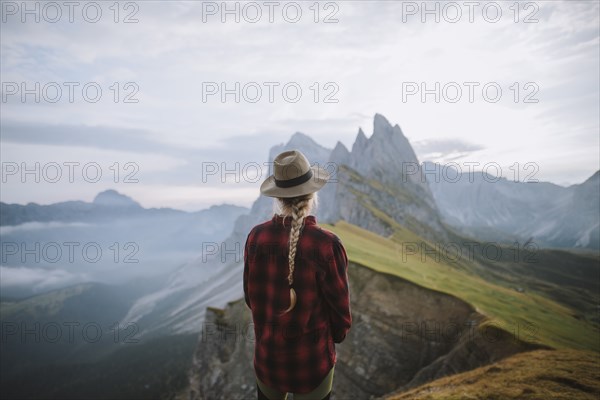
[{"x": 295, "y": 351}]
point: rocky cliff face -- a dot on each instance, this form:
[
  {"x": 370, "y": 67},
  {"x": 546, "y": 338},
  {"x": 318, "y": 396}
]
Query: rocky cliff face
[{"x": 402, "y": 336}]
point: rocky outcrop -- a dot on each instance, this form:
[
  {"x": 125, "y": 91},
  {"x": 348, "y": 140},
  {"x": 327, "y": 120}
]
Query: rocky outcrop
[
  {"x": 381, "y": 181},
  {"x": 402, "y": 335},
  {"x": 222, "y": 365}
]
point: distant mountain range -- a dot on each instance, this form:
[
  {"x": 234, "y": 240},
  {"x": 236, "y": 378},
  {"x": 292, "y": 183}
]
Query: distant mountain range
[
  {"x": 497, "y": 208},
  {"x": 134, "y": 241},
  {"x": 382, "y": 173},
  {"x": 106, "y": 205}
]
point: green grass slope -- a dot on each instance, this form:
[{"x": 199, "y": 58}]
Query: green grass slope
[{"x": 529, "y": 315}]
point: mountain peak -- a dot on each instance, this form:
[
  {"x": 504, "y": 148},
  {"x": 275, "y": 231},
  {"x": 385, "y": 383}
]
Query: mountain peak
[
  {"x": 112, "y": 198},
  {"x": 300, "y": 139},
  {"x": 381, "y": 125},
  {"x": 386, "y": 142},
  {"x": 340, "y": 154},
  {"x": 360, "y": 142},
  {"x": 339, "y": 146},
  {"x": 594, "y": 179}
]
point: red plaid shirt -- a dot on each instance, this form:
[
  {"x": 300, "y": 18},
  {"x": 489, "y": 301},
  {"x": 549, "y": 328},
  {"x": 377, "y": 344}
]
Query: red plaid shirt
[{"x": 294, "y": 352}]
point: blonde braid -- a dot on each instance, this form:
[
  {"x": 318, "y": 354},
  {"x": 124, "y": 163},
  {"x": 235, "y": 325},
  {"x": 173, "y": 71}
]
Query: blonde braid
[
  {"x": 300, "y": 207},
  {"x": 299, "y": 211}
]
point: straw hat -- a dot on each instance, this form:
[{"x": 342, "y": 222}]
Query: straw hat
[{"x": 293, "y": 176}]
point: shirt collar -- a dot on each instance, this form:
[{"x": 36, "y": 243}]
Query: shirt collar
[{"x": 287, "y": 221}]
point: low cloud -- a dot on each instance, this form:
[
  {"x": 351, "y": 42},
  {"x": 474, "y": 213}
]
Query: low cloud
[
  {"x": 101, "y": 137},
  {"x": 37, "y": 226},
  {"x": 444, "y": 150},
  {"x": 37, "y": 280}
]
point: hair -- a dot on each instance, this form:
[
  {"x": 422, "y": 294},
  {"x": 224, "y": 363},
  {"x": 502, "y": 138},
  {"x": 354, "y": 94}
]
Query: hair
[{"x": 297, "y": 208}]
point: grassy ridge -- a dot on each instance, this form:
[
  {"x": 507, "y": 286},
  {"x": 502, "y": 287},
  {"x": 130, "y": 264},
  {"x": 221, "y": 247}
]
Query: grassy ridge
[
  {"x": 540, "y": 374},
  {"x": 529, "y": 316}
]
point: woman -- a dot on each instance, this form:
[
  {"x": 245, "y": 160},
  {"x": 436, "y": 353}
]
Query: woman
[{"x": 296, "y": 284}]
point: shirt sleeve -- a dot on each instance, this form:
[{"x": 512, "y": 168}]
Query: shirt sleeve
[
  {"x": 246, "y": 271},
  {"x": 334, "y": 286}
]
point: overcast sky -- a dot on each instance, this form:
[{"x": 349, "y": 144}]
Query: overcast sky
[{"x": 367, "y": 57}]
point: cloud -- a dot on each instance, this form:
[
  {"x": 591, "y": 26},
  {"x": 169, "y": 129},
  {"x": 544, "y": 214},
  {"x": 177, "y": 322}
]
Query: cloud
[
  {"x": 36, "y": 226},
  {"x": 444, "y": 150},
  {"x": 37, "y": 279},
  {"x": 369, "y": 53},
  {"x": 102, "y": 137}
]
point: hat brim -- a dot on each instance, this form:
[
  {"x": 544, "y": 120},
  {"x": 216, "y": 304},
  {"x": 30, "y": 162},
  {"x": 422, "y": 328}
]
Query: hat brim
[{"x": 318, "y": 180}]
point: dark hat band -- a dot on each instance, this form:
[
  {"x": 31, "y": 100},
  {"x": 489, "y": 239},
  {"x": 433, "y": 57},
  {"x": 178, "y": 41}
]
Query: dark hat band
[{"x": 294, "y": 181}]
